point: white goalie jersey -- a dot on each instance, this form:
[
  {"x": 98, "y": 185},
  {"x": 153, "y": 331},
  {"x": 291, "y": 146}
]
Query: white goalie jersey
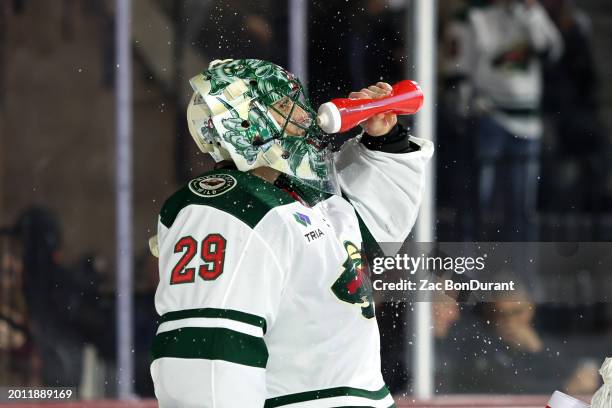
[{"x": 265, "y": 301}]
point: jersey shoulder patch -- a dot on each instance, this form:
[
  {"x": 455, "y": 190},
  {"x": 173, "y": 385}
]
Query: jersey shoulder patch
[{"x": 242, "y": 195}]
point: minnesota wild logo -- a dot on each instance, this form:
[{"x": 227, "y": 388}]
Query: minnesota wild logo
[
  {"x": 212, "y": 185},
  {"x": 354, "y": 286},
  {"x": 516, "y": 58}
]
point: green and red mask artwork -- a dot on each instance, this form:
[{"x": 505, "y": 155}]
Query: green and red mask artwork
[{"x": 236, "y": 114}]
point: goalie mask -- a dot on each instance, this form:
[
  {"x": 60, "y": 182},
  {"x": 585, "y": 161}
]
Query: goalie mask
[{"x": 256, "y": 114}]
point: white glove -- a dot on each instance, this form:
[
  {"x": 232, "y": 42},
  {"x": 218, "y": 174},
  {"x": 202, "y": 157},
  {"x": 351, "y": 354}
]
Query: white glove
[
  {"x": 154, "y": 246},
  {"x": 603, "y": 397}
]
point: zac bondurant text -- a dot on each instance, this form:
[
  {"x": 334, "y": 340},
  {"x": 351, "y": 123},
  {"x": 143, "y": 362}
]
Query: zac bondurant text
[{"x": 447, "y": 284}]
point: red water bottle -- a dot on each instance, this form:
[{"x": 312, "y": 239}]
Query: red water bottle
[{"x": 342, "y": 114}]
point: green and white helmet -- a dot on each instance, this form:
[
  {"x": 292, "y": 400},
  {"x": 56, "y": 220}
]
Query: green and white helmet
[{"x": 230, "y": 117}]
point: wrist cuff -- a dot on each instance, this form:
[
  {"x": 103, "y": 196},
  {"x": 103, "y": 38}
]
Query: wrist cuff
[{"x": 396, "y": 141}]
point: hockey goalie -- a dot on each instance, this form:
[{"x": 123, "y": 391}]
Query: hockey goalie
[{"x": 264, "y": 296}]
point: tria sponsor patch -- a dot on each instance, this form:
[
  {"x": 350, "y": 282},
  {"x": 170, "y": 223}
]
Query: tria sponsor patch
[
  {"x": 212, "y": 185},
  {"x": 314, "y": 234}
]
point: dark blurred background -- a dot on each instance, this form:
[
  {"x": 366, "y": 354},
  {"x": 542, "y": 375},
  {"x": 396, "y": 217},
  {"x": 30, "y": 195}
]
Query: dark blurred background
[{"x": 506, "y": 170}]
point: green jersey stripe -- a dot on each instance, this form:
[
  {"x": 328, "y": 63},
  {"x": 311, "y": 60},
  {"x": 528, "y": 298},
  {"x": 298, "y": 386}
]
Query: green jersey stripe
[
  {"x": 216, "y": 313},
  {"x": 211, "y": 344},
  {"x": 326, "y": 393},
  {"x": 355, "y": 406},
  {"x": 249, "y": 191}
]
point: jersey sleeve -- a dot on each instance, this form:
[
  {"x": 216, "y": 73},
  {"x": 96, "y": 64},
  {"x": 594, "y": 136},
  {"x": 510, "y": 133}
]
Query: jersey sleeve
[
  {"x": 543, "y": 34},
  {"x": 384, "y": 188},
  {"x": 220, "y": 287}
]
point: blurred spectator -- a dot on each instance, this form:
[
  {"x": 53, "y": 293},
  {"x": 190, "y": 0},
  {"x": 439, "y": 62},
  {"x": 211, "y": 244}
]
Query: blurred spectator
[
  {"x": 396, "y": 317},
  {"x": 62, "y": 304},
  {"x": 48, "y": 294},
  {"x": 572, "y": 108},
  {"x": 507, "y": 42},
  {"x": 445, "y": 313},
  {"x": 96, "y": 298},
  {"x": 17, "y": 359},
  {"x": 571, "y": 82},
  {"x": 498, "y": 350},
  {"x": 456, "y": 144},
  {"x": 18, "y": 5}
]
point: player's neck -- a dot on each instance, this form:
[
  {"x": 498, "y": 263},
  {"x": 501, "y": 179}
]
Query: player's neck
[{"x": 268, "y": 174}]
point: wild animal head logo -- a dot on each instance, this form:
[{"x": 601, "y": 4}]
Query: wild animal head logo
[
  {"x": 212, "y": 183},
  {"x": 353, "y": 285}
]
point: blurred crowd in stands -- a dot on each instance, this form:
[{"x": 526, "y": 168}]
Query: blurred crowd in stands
[
  {"x": 519, "y": 116},
  {"x": 50, "y": 311},
  {"x": 521, "y": 146}
]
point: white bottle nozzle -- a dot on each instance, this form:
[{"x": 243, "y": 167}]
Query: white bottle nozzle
[{"x": 328, "y": 118}]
